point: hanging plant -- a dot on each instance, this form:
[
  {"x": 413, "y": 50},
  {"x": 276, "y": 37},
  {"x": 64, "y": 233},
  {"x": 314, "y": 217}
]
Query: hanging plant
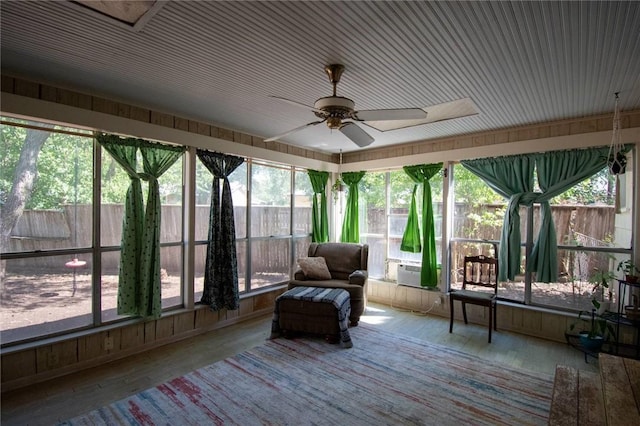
[
  {"x": 617, "y": 163},
  {"x": 337, "y": 188}
]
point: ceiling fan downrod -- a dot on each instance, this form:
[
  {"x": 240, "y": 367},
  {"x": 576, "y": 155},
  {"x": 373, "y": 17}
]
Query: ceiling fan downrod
[{"x": 334, "y": 71}]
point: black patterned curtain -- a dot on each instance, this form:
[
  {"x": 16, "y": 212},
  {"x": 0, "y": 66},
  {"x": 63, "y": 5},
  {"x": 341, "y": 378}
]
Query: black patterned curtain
[{"x": 221, "y": 268}]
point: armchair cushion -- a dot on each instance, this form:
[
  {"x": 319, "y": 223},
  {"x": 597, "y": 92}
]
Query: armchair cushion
[
  {"x": 314, "y": 268},
  {"x": 358, "y": 277}
]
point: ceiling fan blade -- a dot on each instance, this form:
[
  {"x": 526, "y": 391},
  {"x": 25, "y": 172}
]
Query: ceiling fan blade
[
  {"x": 304, "y": 126},
  {"x": 298, "y": 104},
  {"x": 356, "y": 134},
  {"x": 446, "y": 111},
  {"x": 390, "y": 114}
]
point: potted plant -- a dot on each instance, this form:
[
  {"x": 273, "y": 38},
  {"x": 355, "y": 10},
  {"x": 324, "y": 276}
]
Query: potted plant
[
  {"x": 337, "y": 187},
  {"x": 594, "y": 330},
  {"x": 617, "y": 163},
  {"x": 630, "y": 270},
  {"x": 601, "y": 294}
]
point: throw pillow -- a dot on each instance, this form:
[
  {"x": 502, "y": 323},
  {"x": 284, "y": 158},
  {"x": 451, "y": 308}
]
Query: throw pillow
[{"x": 314, "y": 268}]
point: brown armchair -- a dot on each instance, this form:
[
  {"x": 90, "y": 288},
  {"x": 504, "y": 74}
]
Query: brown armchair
[{"x": 347, "y": 265}]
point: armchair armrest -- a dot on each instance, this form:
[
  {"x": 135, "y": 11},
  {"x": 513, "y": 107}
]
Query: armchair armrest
[
  {"x": 299, "y": 275},
  {"x": 358, "y": 277}
]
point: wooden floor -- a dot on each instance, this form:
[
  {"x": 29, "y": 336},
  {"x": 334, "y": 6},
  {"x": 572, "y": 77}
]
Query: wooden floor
[{"x": 57, "y": 400}]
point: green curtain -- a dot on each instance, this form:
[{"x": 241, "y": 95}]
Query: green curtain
[
  {"x": 512, "y": 178},
  {"x": 557, "y": 172},
  {"x": 420, "y": 174},
  {"x": 411, "y": 237},
  {"x": 221, "y": 264},
  {"x": 132, "y": 224},
  {"x": 156, "y": 160},
  {"x": 319, "y": 217},
  {"x": 139, "y": 290},
  {"x": 351, "y": 224}
]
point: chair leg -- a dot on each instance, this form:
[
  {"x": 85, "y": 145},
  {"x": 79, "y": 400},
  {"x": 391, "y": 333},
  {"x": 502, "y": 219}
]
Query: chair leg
[
  {"x": 450, "y": 314},
  {"x": 495, "y": 317},
  {"x": 464, "y": 312},
  {"x": 490, "y": 321}
]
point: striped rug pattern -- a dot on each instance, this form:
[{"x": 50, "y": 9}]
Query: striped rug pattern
[{"x": 385, "y": 379}]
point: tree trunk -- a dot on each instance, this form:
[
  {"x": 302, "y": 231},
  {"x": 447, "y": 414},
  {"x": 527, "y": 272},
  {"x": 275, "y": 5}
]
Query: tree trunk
[{"x": 25, "y": 176}]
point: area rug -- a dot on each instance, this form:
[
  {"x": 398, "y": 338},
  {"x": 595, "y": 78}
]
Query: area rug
[{"x": 384, "y": 379}]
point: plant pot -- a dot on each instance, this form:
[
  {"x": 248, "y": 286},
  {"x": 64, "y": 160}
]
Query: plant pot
[
  {"x": 617, "y": 164},
  {"x": 591, "y": 343},
  {"x": 631, "y": 278}
]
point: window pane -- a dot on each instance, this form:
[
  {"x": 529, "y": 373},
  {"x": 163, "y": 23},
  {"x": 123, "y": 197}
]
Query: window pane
[
  {"x": 479, "y": 211},
  {"x": 270, "y": 262},
  {"x": 115, "y": 183},
  {"x": 45, "y": 295},
  {"x": 573, "y": 289},
  {"x": 301, "y": 247},
  {"x": 372, "y": 203},
  {"x": 58, "y": 208},
  {"x": 241, "y": 249},
  {"x": 238, "y": 183},
  {"x": 401, "y": 190},
  {"x": 171, "y": 276},
  {"x": 303, "y": 202},
  {"x": 511, "y": 290},
  {"x": 109, "y": 285},
  {"x": 377, "y": 255},
  {"x": 200, "y": 255},
  {"x": 270, "y": 201},
  {"x": 198, "y": 270},
  {"x": 171, "y": 199},
  {"x": 585, "y": 215}
]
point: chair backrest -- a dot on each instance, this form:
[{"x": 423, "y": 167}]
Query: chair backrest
[
  {"x": 480, "y": 271},
  {"x": 342, "y": 258}
]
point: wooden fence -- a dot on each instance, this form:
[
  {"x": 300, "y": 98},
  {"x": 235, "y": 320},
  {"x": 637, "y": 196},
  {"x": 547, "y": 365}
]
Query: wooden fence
[{"x": 72, "y": 227}]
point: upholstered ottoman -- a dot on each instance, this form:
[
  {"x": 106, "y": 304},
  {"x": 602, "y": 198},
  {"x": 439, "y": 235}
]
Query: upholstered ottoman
[{"x": 314, "y": 310}]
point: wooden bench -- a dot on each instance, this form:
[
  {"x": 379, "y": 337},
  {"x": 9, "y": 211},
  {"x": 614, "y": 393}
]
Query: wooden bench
[{"x": 611, "y": 397}]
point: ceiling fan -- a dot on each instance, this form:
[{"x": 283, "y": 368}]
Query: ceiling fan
[{"x": 340, "y": 114}]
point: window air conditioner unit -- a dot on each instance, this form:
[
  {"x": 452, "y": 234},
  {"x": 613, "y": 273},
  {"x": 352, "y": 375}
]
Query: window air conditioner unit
[{"x": 409, "y": 275}]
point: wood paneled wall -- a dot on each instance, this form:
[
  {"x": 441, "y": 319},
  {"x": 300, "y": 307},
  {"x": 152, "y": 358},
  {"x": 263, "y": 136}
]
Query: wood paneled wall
[
  {"x": 592, "y": 124},
  {"x": 45, "y": 92},
  {"x": 55, "y": 357},
  {"x": 31, "y": 89},
  {"x": 537, "y": 322}
]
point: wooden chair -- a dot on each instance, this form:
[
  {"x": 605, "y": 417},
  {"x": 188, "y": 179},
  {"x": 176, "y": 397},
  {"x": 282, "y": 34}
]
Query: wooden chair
[{"x": 480, "y": 274}]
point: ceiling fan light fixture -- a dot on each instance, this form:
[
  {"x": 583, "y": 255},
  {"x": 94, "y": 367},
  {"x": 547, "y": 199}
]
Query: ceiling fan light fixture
[{"x": 334, "y": 122}]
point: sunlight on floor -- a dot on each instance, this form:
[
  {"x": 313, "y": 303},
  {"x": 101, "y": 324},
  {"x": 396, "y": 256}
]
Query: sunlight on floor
[{"x": 374, "y": 316}]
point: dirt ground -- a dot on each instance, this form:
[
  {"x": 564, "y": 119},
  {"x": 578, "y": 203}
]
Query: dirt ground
[
  {"x": 36, "y": 305},
  {"x": 47, "y": 303}
]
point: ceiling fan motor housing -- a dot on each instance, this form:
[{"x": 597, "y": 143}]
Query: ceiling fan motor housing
[{"x": 334, "y": 109}]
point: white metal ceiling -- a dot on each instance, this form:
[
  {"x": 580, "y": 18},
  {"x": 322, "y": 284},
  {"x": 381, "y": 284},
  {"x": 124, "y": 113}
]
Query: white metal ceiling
[{"x": 219, "y": 61}]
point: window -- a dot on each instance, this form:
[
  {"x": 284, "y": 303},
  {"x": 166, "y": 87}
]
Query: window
[
  {"x": 302, "y": 202},
  {"x": 114, "y": 186},
  {"x": 373, "y": 224},
  {"x": 238, "y": 184},
  {"x": 270, "y": 237},
  {"x": 46, "y": 221},
  {"x": 382, "y": 229},
  {"x": 478, "y": 213},
  {"x": 591, "y": 237}
]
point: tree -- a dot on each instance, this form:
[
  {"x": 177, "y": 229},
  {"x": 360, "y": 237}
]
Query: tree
[{"x": 24, "y": 179}]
